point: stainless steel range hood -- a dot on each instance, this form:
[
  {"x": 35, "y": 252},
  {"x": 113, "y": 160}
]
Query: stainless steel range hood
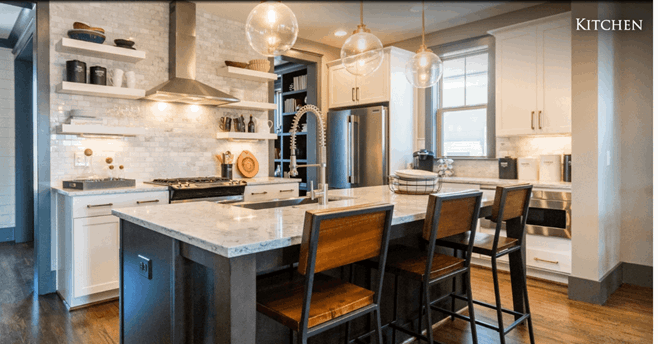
[{"x": 182, "y": 86}]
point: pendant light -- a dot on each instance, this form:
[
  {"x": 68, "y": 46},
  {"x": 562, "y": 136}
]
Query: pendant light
[
  {"x": 425, "y": 68},
  {"x": 362, "y": 53},
  {"x": 271, "y": 28}
]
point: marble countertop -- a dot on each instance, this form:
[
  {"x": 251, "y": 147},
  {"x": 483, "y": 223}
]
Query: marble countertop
[
  {"x": 270, "y": 180},
  {"x": 234, "y": 231},
  {"x": 496, "y": 181},
  {"x": 139, "y": 187}
]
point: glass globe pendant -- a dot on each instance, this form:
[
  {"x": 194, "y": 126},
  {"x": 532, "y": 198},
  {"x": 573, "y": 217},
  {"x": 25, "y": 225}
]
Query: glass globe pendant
[
  {"x": 362, "y": 53},
  {"x": 425, "y": 68},
  {"x": 271, "y": 28}
]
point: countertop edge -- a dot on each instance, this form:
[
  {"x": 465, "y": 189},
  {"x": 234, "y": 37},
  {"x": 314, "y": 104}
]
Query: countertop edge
[
  {"x": 270, "y": 180},
  {"x": 140, "y": 187},
  {"x": 497, "y": 181}
]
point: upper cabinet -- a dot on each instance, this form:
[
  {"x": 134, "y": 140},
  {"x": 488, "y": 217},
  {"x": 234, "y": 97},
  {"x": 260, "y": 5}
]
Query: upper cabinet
[
  {"x": 347, "y": 90},
  {"x": 533, "y": 77}
]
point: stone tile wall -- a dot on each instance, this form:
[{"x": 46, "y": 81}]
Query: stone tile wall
[
  {"x": 7, "y": 151},
  {"x": 179, "y": 142}
]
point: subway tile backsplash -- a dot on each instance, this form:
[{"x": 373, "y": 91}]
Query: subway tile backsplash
[{"x": 178, "y": 142}]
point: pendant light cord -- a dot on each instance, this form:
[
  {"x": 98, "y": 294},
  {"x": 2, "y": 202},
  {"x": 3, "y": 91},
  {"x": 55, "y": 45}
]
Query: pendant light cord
[
  {"x": 423, "y": 39},
  {"x": 361, "y": 12}
]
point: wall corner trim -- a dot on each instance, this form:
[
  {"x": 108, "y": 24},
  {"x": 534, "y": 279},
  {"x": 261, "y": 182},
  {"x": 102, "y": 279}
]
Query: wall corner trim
[{"x": 598, "y": 292}]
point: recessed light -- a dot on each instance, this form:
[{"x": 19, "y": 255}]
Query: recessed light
[{"x": 340, "y": 33}]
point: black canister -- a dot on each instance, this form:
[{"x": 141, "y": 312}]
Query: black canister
[
  {"x": 566, "y": 166},
  {"x": 98, "y": 75},
  {"x": 507, "y": 168},
  {"x": 227, "y": 171},
  {"x": 76, "y": 71}
]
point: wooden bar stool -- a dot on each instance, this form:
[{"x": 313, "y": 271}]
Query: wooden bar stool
[
  {"x": 510, "y": 203},
  {"x": 332, "y": 238},
  {"x": 447, "y": 214}
]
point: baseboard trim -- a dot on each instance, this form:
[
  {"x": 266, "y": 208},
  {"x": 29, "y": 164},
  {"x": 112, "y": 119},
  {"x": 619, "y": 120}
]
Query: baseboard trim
[
  {"x": 636, "y": 274},
  {"x": 596, "y": 292},
  {"x": 7, "y": 234}
]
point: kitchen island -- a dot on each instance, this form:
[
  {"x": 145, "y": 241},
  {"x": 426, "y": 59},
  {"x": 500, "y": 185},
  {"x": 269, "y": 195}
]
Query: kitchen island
[{"x": 189, "y": 271}]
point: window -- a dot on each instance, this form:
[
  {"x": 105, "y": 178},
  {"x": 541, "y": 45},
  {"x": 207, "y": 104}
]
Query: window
[{"x": 463, "y": 101}]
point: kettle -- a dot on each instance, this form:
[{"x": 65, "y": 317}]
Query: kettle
[{"x": 424, "y": 160}]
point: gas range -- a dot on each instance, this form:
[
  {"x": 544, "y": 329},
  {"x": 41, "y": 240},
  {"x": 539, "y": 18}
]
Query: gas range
[{"x": 214, "y": 189}]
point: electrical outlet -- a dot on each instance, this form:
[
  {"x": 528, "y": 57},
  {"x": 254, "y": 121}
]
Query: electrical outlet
[
  {"x": 80, "y": 160},
  {"x": 608, "y": 157},
  {"x": 145, "y": 267}
]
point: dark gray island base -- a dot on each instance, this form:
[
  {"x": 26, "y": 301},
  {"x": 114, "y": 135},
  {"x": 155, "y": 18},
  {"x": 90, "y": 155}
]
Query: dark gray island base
[{"x": 175, "y": 292}]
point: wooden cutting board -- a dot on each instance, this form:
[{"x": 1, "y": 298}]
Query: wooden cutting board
[{"x": 247, "y": 164}]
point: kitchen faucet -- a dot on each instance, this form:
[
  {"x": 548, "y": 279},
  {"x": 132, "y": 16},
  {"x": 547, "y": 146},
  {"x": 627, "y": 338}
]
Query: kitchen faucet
[{"x": 322, "y": 150}]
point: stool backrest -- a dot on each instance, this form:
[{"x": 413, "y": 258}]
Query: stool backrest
[
  {"x": 341, "y": 236},
  {"x": 511, "y": 202},
  {"x": 455, "y": 212}
]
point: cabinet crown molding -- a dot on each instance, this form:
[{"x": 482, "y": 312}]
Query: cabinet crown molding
[{"x": 534, "y": 22}]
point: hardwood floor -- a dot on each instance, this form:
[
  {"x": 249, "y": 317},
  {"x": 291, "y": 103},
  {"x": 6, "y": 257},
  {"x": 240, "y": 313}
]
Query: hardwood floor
[{"x": 627, "y": 317}]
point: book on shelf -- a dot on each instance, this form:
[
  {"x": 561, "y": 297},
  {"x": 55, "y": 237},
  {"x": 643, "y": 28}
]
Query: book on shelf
[{"x": 299, "y": 83}]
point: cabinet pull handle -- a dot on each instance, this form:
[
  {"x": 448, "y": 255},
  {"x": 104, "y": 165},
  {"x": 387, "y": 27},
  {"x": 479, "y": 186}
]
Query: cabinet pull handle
[
  {"x": 357, "y": 94},
  {"x": 259, "y": 193},
  {"x": 151, "y": 201},
  {"x": 546, "y": 261},
  {"x": 532, "y": 120},
  {"x": 539, "y": 119},
  {"x": 353, "y": 90},
  {"x": 290, "y": 190},
  {"x": 99, "y": 205}
]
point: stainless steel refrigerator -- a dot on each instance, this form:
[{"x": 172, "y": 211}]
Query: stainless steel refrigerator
[{"x": 357, "y": 147}]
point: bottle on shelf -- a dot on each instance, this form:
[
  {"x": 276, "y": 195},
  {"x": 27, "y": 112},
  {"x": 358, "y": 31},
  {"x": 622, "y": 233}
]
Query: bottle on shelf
[{"x": 251, "y": 125}]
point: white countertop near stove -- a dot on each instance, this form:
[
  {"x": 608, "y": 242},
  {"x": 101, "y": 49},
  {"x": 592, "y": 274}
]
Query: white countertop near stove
[
  {"x": 139, "y": 187},
  {"x": 270, "y": 180},
  {"x": 234, "y": 231},
  {"x": 496, "y": 181}
]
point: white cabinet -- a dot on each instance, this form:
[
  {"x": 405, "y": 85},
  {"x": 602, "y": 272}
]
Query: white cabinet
[
  {"x": 533, "y": 77},
  {"x": 257, "y": 193},
  {"x": 88, "y": 244},
  {"x": 346, "y": 89}
]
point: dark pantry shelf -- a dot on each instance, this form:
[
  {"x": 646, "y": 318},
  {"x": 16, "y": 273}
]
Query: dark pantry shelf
[{"x": 290, "y": 93}]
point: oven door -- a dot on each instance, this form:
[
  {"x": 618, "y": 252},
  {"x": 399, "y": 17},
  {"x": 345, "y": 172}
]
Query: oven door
[{"x": 545, "y": 217}]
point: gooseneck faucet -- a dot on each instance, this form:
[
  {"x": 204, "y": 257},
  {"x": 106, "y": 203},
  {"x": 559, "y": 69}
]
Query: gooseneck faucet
[{"x": 322, "y": 152}]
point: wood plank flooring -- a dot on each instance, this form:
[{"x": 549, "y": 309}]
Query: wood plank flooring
[{"x": 627, "y": 317}]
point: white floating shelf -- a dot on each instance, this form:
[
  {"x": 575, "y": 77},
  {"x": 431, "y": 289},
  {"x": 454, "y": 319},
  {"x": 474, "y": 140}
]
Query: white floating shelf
[
  {"x": 245, "y": 136},
  {"x": 94, "y": 129},
  {"x": 99, "y": 90},
  {"x": 251, "y": 106},
  {"x": 246, "y": 74},
  {"x": 104, "y": 51}
]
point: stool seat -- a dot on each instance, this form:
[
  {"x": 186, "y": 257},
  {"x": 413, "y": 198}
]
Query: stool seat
[
  {"x": 411, "y": 263},
  {"x": 483, "y": 243},
  {"x": 331, "y": 298}
]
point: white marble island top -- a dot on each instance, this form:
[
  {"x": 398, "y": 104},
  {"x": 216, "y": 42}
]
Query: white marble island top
[{"x": 234, "y": 231}]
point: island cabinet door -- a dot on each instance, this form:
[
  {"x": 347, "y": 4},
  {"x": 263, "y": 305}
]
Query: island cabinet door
[{"x": 95, "y": 254}]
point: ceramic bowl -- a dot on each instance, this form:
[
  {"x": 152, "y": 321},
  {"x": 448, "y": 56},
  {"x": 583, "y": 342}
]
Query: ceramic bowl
[{"x": 87, "y": 36}]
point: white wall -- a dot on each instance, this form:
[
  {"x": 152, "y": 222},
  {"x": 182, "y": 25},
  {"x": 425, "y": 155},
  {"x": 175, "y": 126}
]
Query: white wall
[{"x": 7, "y": 151}]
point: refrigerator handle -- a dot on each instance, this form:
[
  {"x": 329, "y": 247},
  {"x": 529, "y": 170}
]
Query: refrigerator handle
[{"x": 352, "y": 177}]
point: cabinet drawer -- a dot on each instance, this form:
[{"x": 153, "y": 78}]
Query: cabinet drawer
[
  {"x": 271, "y": 191},
  {"x": 556, "y": 261},
  {"x": 100, "y": 205}
]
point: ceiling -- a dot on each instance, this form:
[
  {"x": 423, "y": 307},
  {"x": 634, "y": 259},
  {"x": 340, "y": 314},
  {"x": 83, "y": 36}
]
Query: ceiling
[
  {"x": 391, "y": 21},
  {"x": 8, "y": 16}
]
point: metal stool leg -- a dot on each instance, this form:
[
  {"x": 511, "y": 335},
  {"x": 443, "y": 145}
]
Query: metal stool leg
[
  {"x": 499, "y": 311},
  {"x": 527, "y": 308},
  {"x": 454, "y": 288},
  {"x": 380, "y": 337},
  {"x": 420, "y": 310},
  {"x": 471, "y": 309},
  {"x": 292, "y": 337},
  {"x": 428, "y": 310},
  {"x": 347, "y": 326},
  {"x": 395, "y": 307}
]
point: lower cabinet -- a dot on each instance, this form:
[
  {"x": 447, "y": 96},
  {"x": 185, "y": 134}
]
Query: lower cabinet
[
  {"x": 257, "y": 193},
  {"x": 88, "y": 244}
]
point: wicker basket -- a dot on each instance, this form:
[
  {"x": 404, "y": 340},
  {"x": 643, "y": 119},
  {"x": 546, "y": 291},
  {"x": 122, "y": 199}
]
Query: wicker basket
[
  {"x": 414, "y": 186},
  {"x": 236, "y": 64},
  {"x": 259, "y": 65}
]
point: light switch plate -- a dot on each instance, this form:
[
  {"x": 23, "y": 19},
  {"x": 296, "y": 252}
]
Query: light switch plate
[
  {"x": 80, "y": 160},
  {"x": 608, "y": 157},
  {"x": 145, "y": 267}
]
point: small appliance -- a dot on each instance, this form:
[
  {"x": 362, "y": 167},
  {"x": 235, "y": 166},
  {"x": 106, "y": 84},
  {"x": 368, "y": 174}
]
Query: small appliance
[
  {"x": 424, "y": 160},
  {"x": 566, "y": 175},
  {"x": 528, "y": 168},
  {"x": 507, "y": 168},
  {"x": 550, "y": 168}
]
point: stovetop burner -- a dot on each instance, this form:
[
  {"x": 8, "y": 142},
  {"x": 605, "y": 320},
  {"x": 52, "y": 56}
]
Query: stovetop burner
[
  {"x": 198, "y": 182},
  {"x": 201, "y": 188}
]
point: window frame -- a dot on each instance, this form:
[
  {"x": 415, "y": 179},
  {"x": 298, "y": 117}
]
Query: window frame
[{"x": 434, "y": 119}]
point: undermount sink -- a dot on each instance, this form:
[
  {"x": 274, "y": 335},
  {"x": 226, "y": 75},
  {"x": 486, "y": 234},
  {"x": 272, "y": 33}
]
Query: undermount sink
[{"x": 288, "y": 202}]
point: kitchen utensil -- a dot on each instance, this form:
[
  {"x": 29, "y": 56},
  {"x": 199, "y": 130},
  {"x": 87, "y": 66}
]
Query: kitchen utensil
[
  {"x": 98, "y": 75},
  {"x": 227, "y": 171},
  {"x": 87, "y": 36},
  {"x": 219, "y": 157},
  {"x": 225, "y": 123},
  {"x": 566, "y": 175},
  {"x": 236, "y": 64},
  {"x": 81, "y": 26},
  {"x": 528, "y": 168},
  {"x": 131, "y": 79},
  {"x": 507, "y": 168},
  {"x": 116, "y": 77},
  {"x": 76, "y": 71},
  {"x": 550, "y": 168},
  {"x": 247, "y": 164}
]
